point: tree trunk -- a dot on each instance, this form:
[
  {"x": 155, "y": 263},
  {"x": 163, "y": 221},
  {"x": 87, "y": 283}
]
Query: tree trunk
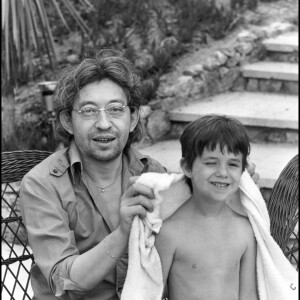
[{"x": 8, "y": 117}]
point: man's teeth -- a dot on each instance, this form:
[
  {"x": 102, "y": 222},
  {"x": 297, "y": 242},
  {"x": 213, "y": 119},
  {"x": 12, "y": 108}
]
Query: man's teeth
[{"x": 104, "y": 140}]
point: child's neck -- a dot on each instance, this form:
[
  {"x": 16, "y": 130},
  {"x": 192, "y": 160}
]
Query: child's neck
[{"x": 208, "y": 208}]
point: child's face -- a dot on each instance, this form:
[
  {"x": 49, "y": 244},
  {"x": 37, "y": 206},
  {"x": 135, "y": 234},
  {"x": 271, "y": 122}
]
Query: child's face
[{"x": 214, "y": 175}]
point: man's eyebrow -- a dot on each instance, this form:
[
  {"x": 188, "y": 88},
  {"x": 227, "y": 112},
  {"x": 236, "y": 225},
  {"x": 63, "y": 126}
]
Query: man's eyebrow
[{"x": 86, "y": 102}]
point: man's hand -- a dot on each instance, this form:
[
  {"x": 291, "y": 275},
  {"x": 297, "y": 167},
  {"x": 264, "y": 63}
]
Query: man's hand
[
  {"x": 135, "y": 201},
  {"x": 251, "y": 169}
]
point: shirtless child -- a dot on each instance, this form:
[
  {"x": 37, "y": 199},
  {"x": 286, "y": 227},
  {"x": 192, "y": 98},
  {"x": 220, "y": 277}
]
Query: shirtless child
[{"x": 208, "y": 251}]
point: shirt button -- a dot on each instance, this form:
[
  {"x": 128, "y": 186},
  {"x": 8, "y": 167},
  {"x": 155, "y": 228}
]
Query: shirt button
[{"x": 55, "y": 171}]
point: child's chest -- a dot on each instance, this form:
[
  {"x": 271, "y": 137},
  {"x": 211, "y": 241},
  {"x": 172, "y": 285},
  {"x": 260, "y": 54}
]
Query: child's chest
[{"x": 213, "y": 246}]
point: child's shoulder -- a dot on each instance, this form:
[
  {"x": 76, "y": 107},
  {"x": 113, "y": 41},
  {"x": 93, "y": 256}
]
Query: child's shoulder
[
  {"x": 242, "y": 224},
  {"x": 176, "y": 221}
]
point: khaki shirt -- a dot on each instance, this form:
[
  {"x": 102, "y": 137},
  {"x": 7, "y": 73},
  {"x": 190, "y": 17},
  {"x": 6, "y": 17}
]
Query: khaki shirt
[{"x": 64, "y": 217}]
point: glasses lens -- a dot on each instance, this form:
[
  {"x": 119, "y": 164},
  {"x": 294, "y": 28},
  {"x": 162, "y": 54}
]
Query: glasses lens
[
  {"x": 115, "y": 109},
  {"x": 89, "y": 111}
]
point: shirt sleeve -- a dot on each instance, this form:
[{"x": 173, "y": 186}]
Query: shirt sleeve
[
  {"x": 62, "y": 285},
  {"x": 49, "y": 235}
]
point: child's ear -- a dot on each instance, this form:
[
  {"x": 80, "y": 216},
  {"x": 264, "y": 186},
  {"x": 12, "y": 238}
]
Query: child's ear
[{"x": 185, "y": 169}]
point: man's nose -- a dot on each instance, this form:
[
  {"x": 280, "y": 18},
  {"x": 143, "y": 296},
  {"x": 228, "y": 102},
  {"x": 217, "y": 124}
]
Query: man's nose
[{"x": 103, "y": 120}]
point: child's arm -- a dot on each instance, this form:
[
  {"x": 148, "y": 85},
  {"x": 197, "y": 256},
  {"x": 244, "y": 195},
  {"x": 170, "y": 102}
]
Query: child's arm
[
  {"x": 166, "y": 248},
  {"x": 248, "y": 283}
]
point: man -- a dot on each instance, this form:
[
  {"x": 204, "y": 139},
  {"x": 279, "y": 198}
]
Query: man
[{"x": 78, "y": 204}]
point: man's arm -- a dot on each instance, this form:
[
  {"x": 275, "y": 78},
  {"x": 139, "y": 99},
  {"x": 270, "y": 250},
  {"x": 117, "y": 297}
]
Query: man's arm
[
  {"x": 53, "y": 241},
  {"x": 93, "y": 266},
  {"x": 248, "y": 283}
]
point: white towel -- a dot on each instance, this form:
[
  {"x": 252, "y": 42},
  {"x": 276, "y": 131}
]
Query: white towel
[
  {"x": 277, "y": 279},
  {"x": 144, "y": 276}
]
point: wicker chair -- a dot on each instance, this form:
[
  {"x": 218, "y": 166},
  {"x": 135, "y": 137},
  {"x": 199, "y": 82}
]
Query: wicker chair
[
  {"x": 283, "y": 207},
  {"x": 16, "y": 256}
]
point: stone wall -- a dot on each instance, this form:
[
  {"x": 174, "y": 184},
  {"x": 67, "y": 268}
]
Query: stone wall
[{"x": 219, "y": 73}]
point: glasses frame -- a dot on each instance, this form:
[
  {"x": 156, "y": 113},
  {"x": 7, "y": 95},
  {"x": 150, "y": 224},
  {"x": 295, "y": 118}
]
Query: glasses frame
[{"x": 100, "y": 109}]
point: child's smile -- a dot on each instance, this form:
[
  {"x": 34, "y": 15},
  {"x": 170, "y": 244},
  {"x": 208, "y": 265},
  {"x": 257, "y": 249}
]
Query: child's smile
[{"x": 216, "y": 174}]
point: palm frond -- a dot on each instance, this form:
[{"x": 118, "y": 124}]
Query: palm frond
[{"x": 26, "y": 33}]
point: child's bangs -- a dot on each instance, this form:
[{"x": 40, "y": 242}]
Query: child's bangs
[{"x": 233, "y": 143}]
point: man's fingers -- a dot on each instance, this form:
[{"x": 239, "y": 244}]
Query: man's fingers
[
  {"x": 137, "y": 210},
  {"x": 251, "y": 168},
  {"x": 133, "y": 179},
  {"x": 255, "y": 177},
  {"x": 139, "y": 189},
  {"x": 139, "y": 200}
]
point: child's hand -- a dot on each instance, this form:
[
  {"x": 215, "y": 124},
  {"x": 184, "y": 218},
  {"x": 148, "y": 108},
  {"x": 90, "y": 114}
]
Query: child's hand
[{"x": 251, "y": 169}]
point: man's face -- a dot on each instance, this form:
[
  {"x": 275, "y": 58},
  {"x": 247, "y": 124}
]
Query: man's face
[
  {"x": 101, "y": 137},
  {"x": 215, "y": 176}
]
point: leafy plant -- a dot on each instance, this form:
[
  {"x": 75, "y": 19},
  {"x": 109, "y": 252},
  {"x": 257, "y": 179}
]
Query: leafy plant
[
  {"x": 29, "y": 135},
  {"x": 26, "y": 34}
]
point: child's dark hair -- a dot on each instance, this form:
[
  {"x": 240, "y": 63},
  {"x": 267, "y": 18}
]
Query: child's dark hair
[{"x": 210, "y": 131}]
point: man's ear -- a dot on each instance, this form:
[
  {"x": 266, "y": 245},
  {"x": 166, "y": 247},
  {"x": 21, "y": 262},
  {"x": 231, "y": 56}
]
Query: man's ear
[
  {"x": 185, "y": 169},
  {"x": 66, "y": 121},
  {"x": 134, "y": 118}
]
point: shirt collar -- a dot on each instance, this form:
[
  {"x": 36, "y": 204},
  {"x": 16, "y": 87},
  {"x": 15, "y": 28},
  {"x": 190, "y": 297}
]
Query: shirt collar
[{"x": 136, "y": 161}]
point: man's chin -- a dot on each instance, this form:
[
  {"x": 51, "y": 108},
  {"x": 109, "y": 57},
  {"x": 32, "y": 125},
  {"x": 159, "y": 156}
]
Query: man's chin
[{"x": 105, "y": 155}]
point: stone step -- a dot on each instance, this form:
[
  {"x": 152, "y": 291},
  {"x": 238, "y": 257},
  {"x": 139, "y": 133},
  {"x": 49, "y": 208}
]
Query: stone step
[
  {"x": 252, "y": 109},
  {"x": 287, "y": 42},
  {"x": 271, "y": 70},
  {"x": 270, "y": 159}
]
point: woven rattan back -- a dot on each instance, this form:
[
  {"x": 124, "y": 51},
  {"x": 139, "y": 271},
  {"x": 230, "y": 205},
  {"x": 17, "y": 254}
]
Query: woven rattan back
[
  {"x": 283, "y": 207},
  {"x": 16, "y": 256}
]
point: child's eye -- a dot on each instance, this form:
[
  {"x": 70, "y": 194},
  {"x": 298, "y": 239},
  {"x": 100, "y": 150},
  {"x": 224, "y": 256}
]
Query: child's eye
[
  {"x": 234, "y": 165},
  {"x": 210, "y": 163}
]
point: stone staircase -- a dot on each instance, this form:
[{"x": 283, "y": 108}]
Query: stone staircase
[{"x": 268, "y": 107}]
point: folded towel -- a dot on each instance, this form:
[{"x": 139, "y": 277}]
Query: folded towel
[
  {"x": 144, "y": 276},
  {"x": 276, "y": 277}
]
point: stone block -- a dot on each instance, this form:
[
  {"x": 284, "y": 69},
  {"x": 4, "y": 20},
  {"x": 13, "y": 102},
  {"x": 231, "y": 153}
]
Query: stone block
[
  {"x": 252, "y": 85},
  {"x": 239, "y": 84},
  {"x": 292, "y": 137},
  {"x": 158, "y": 125},
  {"x": 270, "y": 86},
  {"x": 228, "y": 81},
  {"x": 221, "y": 57},
  {"x": 244, "y": 48},
  {"x": 234, "y": 60},
  {"x": 291, "y": 87},
  {"x": 246, "y": 36},
  {"x": 155, "y": 104},
  {"x": 211, "y": 63},
  {"x": 229, "y": 52},
  {"x": 194, "y": 70},
  {"x": 223, "y": 71},
  {"x": 145, "y": 111}
]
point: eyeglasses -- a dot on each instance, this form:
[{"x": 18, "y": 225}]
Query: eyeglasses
[{"x": 112, "y": 110}]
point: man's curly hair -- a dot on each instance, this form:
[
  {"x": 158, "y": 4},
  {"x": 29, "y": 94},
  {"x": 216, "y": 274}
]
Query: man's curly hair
[{"x": 109, "y": 64}]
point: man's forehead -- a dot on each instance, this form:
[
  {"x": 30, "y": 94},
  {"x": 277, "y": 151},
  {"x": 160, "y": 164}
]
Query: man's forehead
[{"x": 100, "y": 93}]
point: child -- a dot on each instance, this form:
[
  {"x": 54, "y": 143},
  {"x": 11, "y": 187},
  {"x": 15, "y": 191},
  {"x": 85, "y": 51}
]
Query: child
[{"x": 207, "y": 250}]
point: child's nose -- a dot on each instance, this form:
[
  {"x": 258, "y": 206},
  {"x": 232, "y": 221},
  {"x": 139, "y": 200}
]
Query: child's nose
[{"x": 222, "y": 170}]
